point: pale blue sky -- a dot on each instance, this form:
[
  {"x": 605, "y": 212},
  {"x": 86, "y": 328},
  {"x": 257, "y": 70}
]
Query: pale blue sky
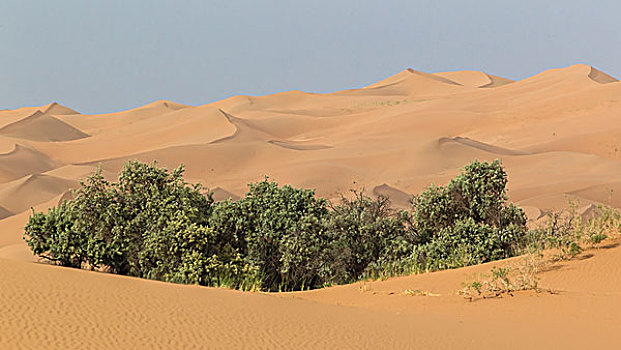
[{"x": 103, "y": 56}]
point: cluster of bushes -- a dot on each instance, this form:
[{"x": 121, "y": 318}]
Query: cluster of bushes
[{"x": 152, "y": 224}]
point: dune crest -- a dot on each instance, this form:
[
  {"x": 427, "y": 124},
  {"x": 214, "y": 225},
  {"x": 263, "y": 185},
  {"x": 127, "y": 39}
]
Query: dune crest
[
  {"x": 411, "y": 82},
  {"x": 298, "y": 146},
  {"x": 475, "y": 79},
  {"x": 220, "y": 194},
  {"x": 601, "y": 77},
  {"x": 42, "y": 126},
  {"x": 22, "y": 161},
  {"x": 163, "y": 104},
  {"x": 55, "y": 108},
  {"x": 480, "y": 145},
  {"x": 397, "y": 197}
]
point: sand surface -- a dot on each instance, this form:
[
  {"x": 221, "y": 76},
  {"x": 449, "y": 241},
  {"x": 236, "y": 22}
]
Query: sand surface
[
  {"x": 558, "y": 134},
  {"x": 59, "y": 308}
]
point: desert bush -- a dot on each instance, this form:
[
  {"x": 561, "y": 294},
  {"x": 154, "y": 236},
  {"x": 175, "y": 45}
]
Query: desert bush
[
  {"x": 280, "y": 231},
  {"x": 478, "y": 194},
  {"x": 567, "y": 233},
  {"x": 369, "y": 234},
  {"x": 286, "y": 240},
  {"x": 156, "y": 209},
  {"x": 52, "y": 236},
  {"x": 94, "y": 218},
  {"x": 149, "y": 224},
  {"x": 152, "y": 224},
  {"x": 468, "y": 221}
]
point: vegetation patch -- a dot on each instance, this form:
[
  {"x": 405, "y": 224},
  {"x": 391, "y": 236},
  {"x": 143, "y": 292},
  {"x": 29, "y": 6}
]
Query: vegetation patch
[
  {"x": 505, "y": 280},
  {"x": 152, "y": 224},
  {"x": 562, "y": 236}
]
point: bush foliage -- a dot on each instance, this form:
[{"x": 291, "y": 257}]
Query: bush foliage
[{"x": 152, "y": 224}]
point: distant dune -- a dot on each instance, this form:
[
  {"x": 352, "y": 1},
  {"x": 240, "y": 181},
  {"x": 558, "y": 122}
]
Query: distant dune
[
  {"x": 475, "y": 79},
  {"x": 558, "y": 134}
]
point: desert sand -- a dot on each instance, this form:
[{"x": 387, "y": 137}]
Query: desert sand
[
  {"x": 52, "y": 307},
  {"x": 557, "y": 133}
]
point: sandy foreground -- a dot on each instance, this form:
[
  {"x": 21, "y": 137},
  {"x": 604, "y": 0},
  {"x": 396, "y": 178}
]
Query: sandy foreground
[
  {"x": 558, "y": 134},
  {"x": 59, "y": 308}
]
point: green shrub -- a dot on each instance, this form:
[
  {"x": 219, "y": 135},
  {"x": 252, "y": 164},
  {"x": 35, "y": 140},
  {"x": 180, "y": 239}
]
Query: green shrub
[
  {"x": 94, "y": 210},
  {"x": 285, "y": 235},
  {"x": 149, "y": 224},
  {"x": 368, "y": 233},
  {"x": 157, "y": 209},
  {"x": 468, "y": 221},
  {"x": 52, "y": 236},
  {"x": 152, "y": 224}
]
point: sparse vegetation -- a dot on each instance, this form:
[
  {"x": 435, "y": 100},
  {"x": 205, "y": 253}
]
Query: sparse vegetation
[
  {"x": 505, "y": 279},
  {"x": 152, "y": 224},
  {"x": 567, "y": 233},
  {"x": 563, "y": 235}
]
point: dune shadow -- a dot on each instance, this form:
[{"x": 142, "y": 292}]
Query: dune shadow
[
  {"x": 609, "y": 246},
  {"x": 584, "y": 256},
  {"x": 554, "y": 267},
  {"x": 481, "y": 146},
  {"x": 298, "y": 146}
]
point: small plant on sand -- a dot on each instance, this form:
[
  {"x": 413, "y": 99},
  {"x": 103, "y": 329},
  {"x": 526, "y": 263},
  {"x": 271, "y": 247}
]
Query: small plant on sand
[
  {"x": 473, "y": 289},
  {"x": 500, "y": 282},
  {"x": 470, "y": 288},
  {"x": 604, "y": 223},
  {"x": 363, "y": 286},
  {"x": 504, "y": 280},
  {"x": 420, "y": 293}
]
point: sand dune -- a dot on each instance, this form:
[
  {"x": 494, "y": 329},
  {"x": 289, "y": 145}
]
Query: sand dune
[
  {"x": 558, "y": 134},
  {"x": 475, "y": 79},
  {"x": 601, "y": 77},
  {"x": 59, "y": 308},
  {"x": 220, "y": 194},
  {"x": 383, "y": 133},
  {"x": 55, "y": 108},
  {"x": 21, "y": 194},
  {"x": 22, "y": 161},
  {"x": 42, "y": 126},
  {"x": 410, "y": 82},
  {"x": 480, "y": 145},
  {"x": 397, "y": 197}
]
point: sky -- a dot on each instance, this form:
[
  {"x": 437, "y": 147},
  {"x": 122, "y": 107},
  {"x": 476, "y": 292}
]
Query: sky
[{"x": 104, "y": 56}]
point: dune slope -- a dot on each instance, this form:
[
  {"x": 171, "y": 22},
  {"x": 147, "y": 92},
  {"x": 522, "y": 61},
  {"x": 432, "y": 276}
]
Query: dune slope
[{"x": 61, "y": 308}]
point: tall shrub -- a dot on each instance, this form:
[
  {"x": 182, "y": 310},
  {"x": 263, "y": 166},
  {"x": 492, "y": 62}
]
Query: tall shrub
[
  {"x": 366, "y": 231},
  {"x": 285, "y": 235},
  {"x": 470, "y": 215}
]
